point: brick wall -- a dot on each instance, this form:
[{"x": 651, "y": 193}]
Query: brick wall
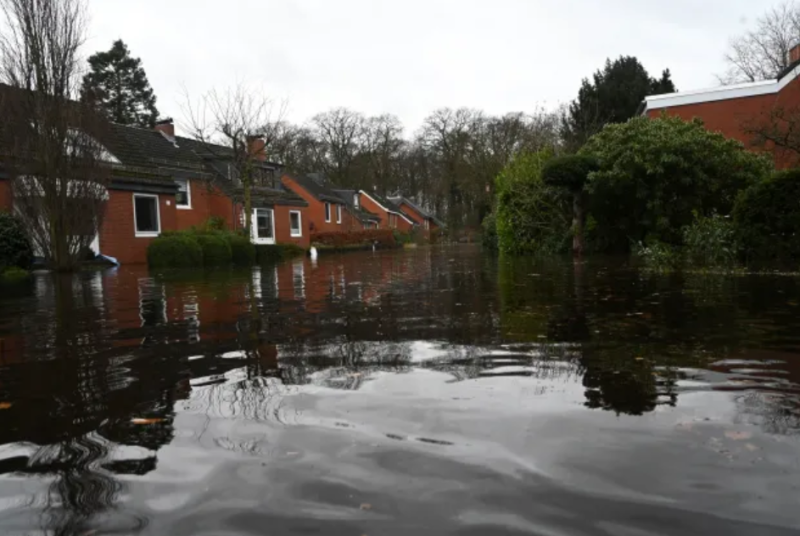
[
  {"x": 117, "y": 236},
  {"x": 282, "y": 227},
  {"x": 316, "y": 211},
  {"x": 5, "y": 195},
  {"x": 370, "y": 206},
  {"x": 206, "y": 201}
]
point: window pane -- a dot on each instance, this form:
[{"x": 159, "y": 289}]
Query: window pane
[
  {"x": 182, "y": 195},
  {"x": 327, "y": 212},
  {"x": 294, "y": 221},
  {"x": 146, "y": 214},
  {"x": 264, "y": 224}
]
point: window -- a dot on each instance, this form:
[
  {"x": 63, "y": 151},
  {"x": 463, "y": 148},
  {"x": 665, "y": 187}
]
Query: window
[
  {"x": 264, "y": 228},
  {"x": 427, "y": 225},
  {"x": 355, "y": 200},
  {"x": 295, "y": 223},
  {"x": 146, "y": 218},
  {"x": 328, "y": 212},
  {"x": 338, "y": 213},
  {"x": 183, "y": 198},
  {"x": 264, "y": 177}
]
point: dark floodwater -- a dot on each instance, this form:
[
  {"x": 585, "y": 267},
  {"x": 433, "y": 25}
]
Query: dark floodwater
[{"x": 428, "y": 391}]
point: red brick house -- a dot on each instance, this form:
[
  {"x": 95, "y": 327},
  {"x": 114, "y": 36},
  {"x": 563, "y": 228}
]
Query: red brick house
[
  {"x": 161, "y": 182},
  {"x": 736, "y": 110},
  {"x": 329, "y": 210},
  {"x": 391, "y": 216},
  {"x": 430, "y": 225}
]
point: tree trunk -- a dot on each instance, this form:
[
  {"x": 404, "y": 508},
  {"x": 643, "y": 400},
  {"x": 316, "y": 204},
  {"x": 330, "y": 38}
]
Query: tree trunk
[{"x": 578, "y": 219}]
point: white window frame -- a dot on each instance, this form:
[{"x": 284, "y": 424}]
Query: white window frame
[
  {"x": 254, "y": 228},
  {"x": 327, "y": 212},
  {"x": 355, "y": 200},
  {"x": 339, "y": 214},
  {"x": 147, "y": 234},
  {"x": 188, "y": 205},
  {"x": 299, "y": 232}
]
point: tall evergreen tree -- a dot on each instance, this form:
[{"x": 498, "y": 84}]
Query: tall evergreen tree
[
  {"x": 612, "y": 96},
  {"x": 119, "y": 85}
]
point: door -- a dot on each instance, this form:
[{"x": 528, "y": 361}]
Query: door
[{"x": 263, "y": 226}]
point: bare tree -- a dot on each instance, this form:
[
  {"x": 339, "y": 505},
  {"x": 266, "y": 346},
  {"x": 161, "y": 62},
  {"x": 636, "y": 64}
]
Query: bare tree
[
  {"x": 340, "y": 130},
  {"x": 52, "y": 143},
  {"x": 382, "y": 142},
  {"x": 228, "y": 123},
  {"x": 763, "y": 52}
]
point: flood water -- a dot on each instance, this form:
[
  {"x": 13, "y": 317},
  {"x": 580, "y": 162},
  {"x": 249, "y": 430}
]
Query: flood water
[{"x": 427, "y": 391}]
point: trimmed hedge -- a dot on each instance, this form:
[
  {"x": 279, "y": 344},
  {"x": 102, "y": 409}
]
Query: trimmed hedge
[
  {"x": 384, "y": 238},
  {"x": 243, "y": 252},
  {"x": 216, "y": 249},
  {"x": 767, "y": 218},
  {"x": 277, "y": 252},
  {"x": 15, "y": 248},
  {"x": 175, "y": 250}
]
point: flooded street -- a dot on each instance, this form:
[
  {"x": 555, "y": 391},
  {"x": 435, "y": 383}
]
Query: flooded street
[{"x": 424, "y": 391}]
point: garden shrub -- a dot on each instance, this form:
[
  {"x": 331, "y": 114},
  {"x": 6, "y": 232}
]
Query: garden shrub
[
  {"x": 383, "y": 238},
  {"x": 216, "y": 249},
  {"x": 767, "y": 218},
  {"x": 277, "y": 252},
  {"x": 15, "y": 248},
  {"x": 243, "y": 252},
  {"x": 658, "y": 256},
  {"x": 569, "y": 172},
  {"x": 531, "y": 217},
  {"x": 175, "y": 250},
  {"x": 655, "y": 174},
  {"x": 711, "y": 241},
  {"x": 489, "y": 232}
]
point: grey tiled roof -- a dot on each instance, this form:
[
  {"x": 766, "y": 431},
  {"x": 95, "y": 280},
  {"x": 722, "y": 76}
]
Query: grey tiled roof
[
  {"x": 425, "y": 214},
  {"x": 318, "y": 186}
]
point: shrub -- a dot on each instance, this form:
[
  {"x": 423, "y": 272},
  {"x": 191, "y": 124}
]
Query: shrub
[
  {"x": 277, "y": 252},
  {"x": 243, "y": 252},
  {"x": 15, "y": 248},
  {"x": 15, "y": 274},
  {"x": 767, "y": 218},
  {"x": 489, "y": 232},
  {"x": 383, "y": 238},
  {"x": 214, "y": 223},
  {"x": 711, "y": 241},
  {"x": 658, "y": 256},
  {"x": 531, "y": 217},
  {"x": 569, "y": 172},
  {"x": 175, "y": 250},
  {"x": 655, "y": 174},
  {"x": 216, "y": 249}
]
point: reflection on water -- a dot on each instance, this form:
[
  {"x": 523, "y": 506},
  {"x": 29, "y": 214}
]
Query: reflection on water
[{"x": 105, "y": 375}]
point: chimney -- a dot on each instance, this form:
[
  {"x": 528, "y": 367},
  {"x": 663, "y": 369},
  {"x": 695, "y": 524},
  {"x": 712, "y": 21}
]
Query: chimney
[
  {"x": 794, "y": 54},
  {"x": 167, "y": 128},
  {"x": 257, "y": 148}
]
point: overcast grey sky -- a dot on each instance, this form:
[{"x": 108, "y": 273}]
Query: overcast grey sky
[{"x": 408, "y": 57}]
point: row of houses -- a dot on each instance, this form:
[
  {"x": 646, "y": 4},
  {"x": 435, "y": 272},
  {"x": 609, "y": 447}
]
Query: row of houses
[{"x": 163, "y": 182}]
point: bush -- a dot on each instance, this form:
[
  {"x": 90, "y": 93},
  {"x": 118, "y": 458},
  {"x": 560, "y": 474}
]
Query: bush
[
  {"x": 655, "y": 174},
  {"x": 216, "y": 249},
  {"x": 383, "y": 238},
  {"x": 767, "y": 218},
  {"x": 14, "y": 274},
  {"x": 711, "y": 241},
  {"x": 15, "y": 248},
  {"x": 243, "y": 252},
  {"x": 277, "y": 252},
  {"x": 175, "y": 250},
  {"x": 569, "y": 172},
  {"x": 531, "y": 217},
  {"x": 489, "y": 232},
  {"x": 658, "y": 256}
]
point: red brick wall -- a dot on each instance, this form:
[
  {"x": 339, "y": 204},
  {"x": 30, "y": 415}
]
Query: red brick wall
[
  {"x": 409, "y": 211},
  {"x": 370, "y": 206},
  {"x": 283, "y": 230},
  {"x": 5, "y": 195},
  {"x": 117, "y": 236},
  {"x": 316, "y": 211},
  {"x": 730, "y": 116},
  {"x": 207, "y": 200}
]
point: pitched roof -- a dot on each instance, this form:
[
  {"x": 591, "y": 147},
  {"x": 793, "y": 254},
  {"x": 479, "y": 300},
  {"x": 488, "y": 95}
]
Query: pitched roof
[
  {"x": 362, "y": 214},
  {"x": 318, "y": 186},
  {"x": 387, "y": 205},
  {"x": 427, "y": 215}
]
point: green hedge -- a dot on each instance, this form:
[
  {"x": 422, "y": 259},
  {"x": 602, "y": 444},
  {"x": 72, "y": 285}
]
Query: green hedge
[
  {"x": 15, "y": 248},
  {"x": 243, "y": 252},
  {"x": 176, "y": 250},
  {"x": 216, "y": 249},
  {"x": 277, "y": 252},
  {"x": 767, "y": 218}
]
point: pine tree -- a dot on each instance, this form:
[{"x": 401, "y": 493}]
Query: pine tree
[
  {"x": 119, "y": 85},
  {"x": 612, "y": 96}
]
